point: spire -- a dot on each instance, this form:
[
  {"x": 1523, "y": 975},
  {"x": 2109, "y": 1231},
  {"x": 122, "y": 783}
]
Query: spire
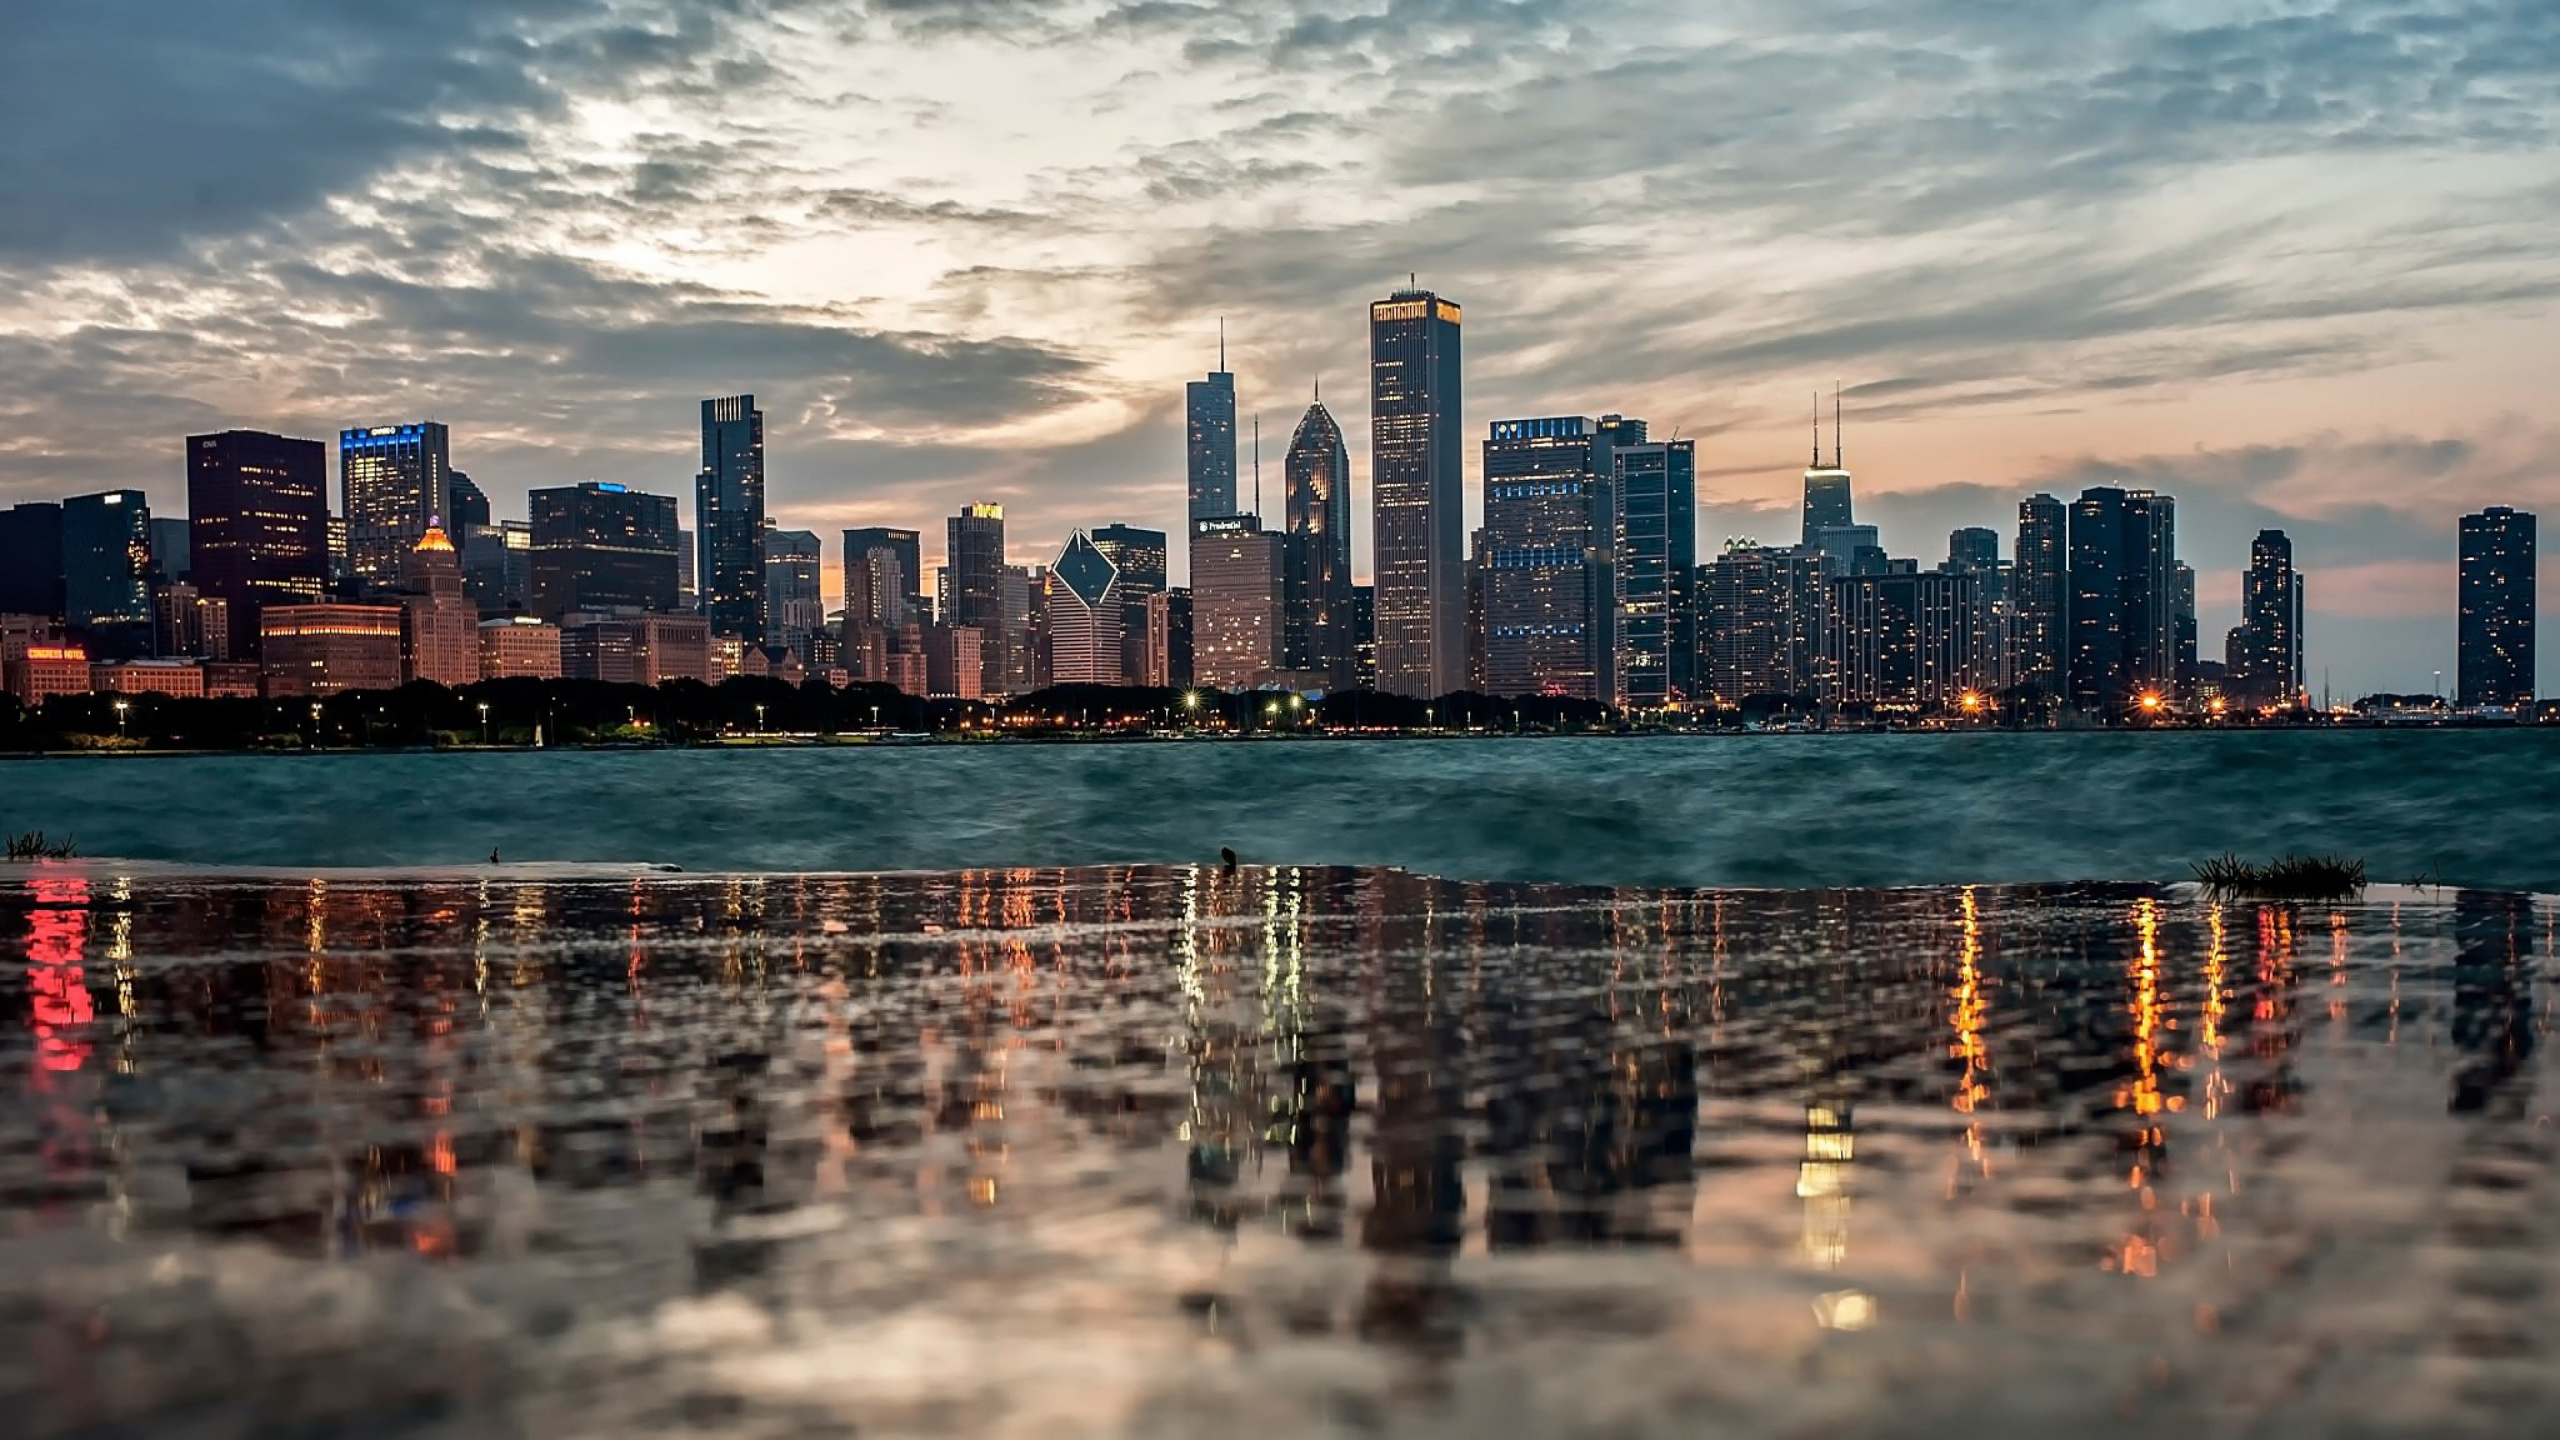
[
  {"x": 1836, "y": 462},
  {"x": 1222, "y": 344},
  {"x": 1257, "y": 465},
  {"x": 1817, "y": 429}
]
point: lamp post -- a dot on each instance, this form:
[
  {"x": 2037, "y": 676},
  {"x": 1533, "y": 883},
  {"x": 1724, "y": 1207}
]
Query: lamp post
[
  {"x": 315, "y": 722},
  {"x": 759, "y": 719},
  {"x": 121, "y": 707},
  {"x": 484, "y": 722}
]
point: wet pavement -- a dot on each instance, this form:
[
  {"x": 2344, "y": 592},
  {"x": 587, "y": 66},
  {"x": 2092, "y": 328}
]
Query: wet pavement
[{"x": 1162, "y": 1151}]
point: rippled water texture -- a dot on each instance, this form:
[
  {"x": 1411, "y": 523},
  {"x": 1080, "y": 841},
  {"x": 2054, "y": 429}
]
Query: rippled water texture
[
  {"x": 1175, "y": 1152},
  {"x": 2465, "y": 807}
]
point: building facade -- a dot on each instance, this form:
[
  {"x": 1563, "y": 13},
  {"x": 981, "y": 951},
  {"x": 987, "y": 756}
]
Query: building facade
[
  {"x": 882, "y": 605},
  {"x": 440, "y": 627},
  {"x": 31, "y": 560},
  {"x": 519, "y": 647},
  {"x": 2040, "y": 596},
  {"x": 1085, "y": 615},
  {"x": 2494, "y": 660},
  {"x": 1654, "y": 559},
  {"x": 795, "y": 599},
  {"x": 1417, "y": 495},
  {"x": 973, "y": 570},
  {"x": 393, "y": 482},
  {"x": 1545, "y": 558},
  {"x": 1316, "y": 496},
  {"x": 320, "y": 650},
  {"x": 1209, "y": 443},
  {"x": 106, "y": 573},
  {"x": 2264, "y": 667},
  {"x": 1238, "y": 595},
  {"x": 728, "y": 505},
  {"x": 1900, "y": 643},
  {"x": 601, "y": 547},
  {"x": 257, "y": 523},
  {"x": 2124, "y": 608},
  {"x": 1761, "y": 610},
  {"x": 1139, "y": 555}
]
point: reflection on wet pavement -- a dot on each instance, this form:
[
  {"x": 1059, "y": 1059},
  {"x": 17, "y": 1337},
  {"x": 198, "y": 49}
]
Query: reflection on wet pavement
[{"x": 1158, "y": 1151}]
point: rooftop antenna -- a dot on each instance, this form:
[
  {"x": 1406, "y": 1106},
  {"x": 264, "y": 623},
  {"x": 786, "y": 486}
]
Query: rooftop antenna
[
  {"x": 1257, "y": 465},
  {"x": 1837, "y": 462},
  {"x": 1222, "y": 344},
  {"x": 1817, "y": 429}
]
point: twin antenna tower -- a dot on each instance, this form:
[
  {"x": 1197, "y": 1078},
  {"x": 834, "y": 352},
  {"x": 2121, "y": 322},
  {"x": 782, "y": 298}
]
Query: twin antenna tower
[{"x": 1835, "y": 428}]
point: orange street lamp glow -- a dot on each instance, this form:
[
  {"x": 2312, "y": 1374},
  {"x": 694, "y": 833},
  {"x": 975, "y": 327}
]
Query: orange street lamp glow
[
  {"x": 2151, "y": 702},
  {"x": 1972, "y": 701}
]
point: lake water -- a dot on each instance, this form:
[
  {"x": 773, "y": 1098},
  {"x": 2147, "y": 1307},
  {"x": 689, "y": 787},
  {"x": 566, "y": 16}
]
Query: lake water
[
  {"x": 2473, "y": 807},
  {"x": 1168, "y": 1151}
]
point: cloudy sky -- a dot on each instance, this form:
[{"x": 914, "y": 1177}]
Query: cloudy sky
[{"x": 2295, "y": 263}]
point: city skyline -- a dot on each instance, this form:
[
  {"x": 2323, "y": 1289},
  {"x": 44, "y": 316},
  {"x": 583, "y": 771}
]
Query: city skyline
[{"x": 2025, "y": 280}]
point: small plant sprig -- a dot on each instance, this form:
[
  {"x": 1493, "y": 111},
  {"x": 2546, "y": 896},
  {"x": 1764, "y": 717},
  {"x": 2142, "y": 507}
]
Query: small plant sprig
[
  {"x": 32, "y": 845},
  {"x": 2291, "y": 877}
]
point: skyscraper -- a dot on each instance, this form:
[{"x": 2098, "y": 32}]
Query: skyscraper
[
  {"x": 1209, "y": 432},
  {"x": 2269, "y": 648},
  {"x": 31, "y": 560},
  {"x": 1975, "y": 551},
  {"x": 795, "y": 600},
  {"x": 1139, "y": 556},
  {"x": 439, "y": 628},
  {"x": 1316, "y": 481},
  {"x": 106, "y": 572},
  {"x": 1547, "y": 546},
  {"x": 728, "y": 508},
  {"x": 972, "y": 566},
  {"x": 1827, "y": 504},
  {"x": 1417, "y": 494},
  {"x": 1238, "y": 594},
  {"x": 1086, "y": 616},
  {"x": 1900, "y": 643},
  {"x": 258, "y": 523},
  {"x": 2495, "y": 659},
  {"x": 394, "y": 480},
  {"x": 169, "y": 559},
  {"x": 599, "y": 547},
  {"x": 2124, "y": 626},
  {"x": 1654, "y": 499},
  {"x": 1762, "y": 610},
  {"x": 2040, "y": 590},
  {"x": 902, "y": 548}
]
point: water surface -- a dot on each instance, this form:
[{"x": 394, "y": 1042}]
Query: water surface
[{"x": 1166, "y": 1151}]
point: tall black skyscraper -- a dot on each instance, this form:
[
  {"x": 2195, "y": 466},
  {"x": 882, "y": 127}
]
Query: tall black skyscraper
[
  {"x": 394, "y": 480},
  {"x": 1317, "y": 479},
  {"x": 602, "y": 547},
  {"x": 2269, "y": 652},
  {"x": 258, "y": 524},
  {"x": 1209, "y": 435},
  {"x": 2124, "y": 610},
  {"x": 973, "y": 575},
  {"x": 1548, "y": 536},
  {"x": 728, "y": 507},
  {"x": 31, "y": 560},
  {"x": 2495, "y": 663},
  {"x": 1827, "y": 502},
  {"x": 1417, "y": 489},
  {"x": 1139, "y": 557},
  {"x": 2040, "y": 590},
  {"x": 106, "y": 571},
  {"x": 1654, "y": 500}
]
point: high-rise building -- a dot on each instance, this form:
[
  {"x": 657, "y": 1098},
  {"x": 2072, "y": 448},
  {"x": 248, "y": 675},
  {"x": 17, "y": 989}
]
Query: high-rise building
[
  {"x": 1546, "y": 556},
  {"x": 2494, "y": 663},
  {"x": 1417, "y": 491},
  {"x": 31, "y": 561},
  {"x": 1900, "y": 643},
  {"x": 465, "y": 506},
  {"x": 1239, "y": 591},
  {"x": 497, "y": 565},
  {"x": 192, "y": 624},
  {"x": 1975, "y": 551},
  {"x": 728, "y": 508},
  {"x": 1762, "y": 612},
  {"x": 106, "y": 573},
  {"x": 169, "y": 558},
  {"x": 257, "y": 524},
  {"x": 638, "y": 649},
  {"x": 1364, "y": 636},
  {"x": 2040, "y": 596},
  {"x": 2124, "y": 629},
  {"x": 599, "y": 547},
  {"x": 1086, "y": 616},
  {"x": 2263, "y": 661},
  {"x": 902, "y": 547},
  {"x": 973, "y": 569},
  {"x": 393, "y": 482},
  {"x": 2182, "y": 590},
  {"x": 1209, "y": 433},
  {"x": 439, "y": 626},
  {"x": 1654, "y": 502},
  {"x": 1316, "y": 497},
  {"x": 1168, "y": 640},
  {"x": 1827, "y": 501},
  {"x": 1023, "y": 647},
  {"x": 1139, "y": 556},
  {"x": 795, "y": 599}
]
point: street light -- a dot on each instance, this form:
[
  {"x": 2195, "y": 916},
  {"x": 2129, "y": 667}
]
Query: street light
[
  {"x": 120, "y": 709},
  {"x": 484, "y": 722},
  {"x": 759, "y": 719}
]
